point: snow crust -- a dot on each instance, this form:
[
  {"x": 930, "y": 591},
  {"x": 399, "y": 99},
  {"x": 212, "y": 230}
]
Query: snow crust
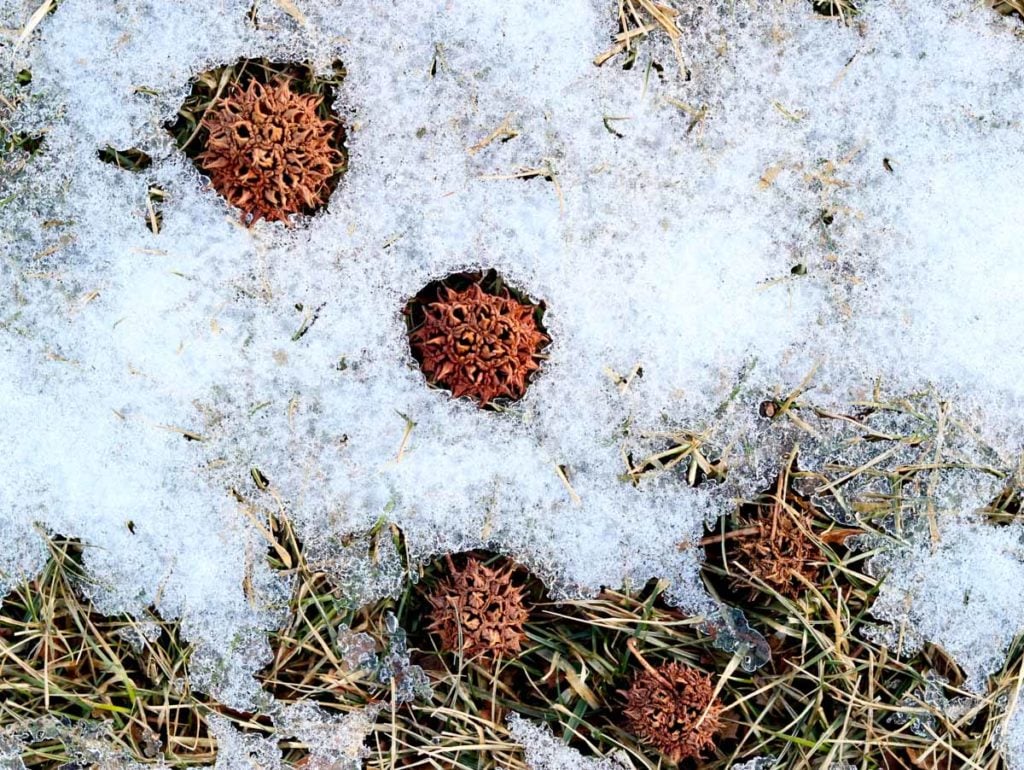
[
  {"x": 727, "y": 230},
  {"x": 960, "y": 592},
  {"x": 545, "y": 752}
]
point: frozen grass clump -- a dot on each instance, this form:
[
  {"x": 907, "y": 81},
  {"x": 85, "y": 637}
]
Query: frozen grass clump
[{"x": 810, "y": 207}]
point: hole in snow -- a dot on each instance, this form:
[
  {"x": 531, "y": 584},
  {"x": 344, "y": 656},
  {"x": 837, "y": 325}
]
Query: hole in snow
[
  {"x": 265, "y": 134},
  {"x": 30, "y": 143},
  {"x": 477, "y": 337},
  {"x": 132, "y": 159},
  {"x": 1009, "y": 8},
  {"x": 1007, "y": 506},
  {"x": 155, "y": 198},
  {"x": 835, "y": 9}
]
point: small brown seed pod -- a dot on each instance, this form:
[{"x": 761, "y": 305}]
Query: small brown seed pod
[
  {"x": 672, "y": 709},
  {"x": 478, "y": 610},
  {"x": 778, "y": 549},
  {"x": 269, "y": 153},
  {"x": 479, "y": 345}
]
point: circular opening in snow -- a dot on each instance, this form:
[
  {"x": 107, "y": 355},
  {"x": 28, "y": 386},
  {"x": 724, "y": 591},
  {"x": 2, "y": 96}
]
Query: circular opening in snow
[
  {"x": 265, "y": 135},
  {"x": 477, "y": 337},
  {"x": 835, "y": 9}
]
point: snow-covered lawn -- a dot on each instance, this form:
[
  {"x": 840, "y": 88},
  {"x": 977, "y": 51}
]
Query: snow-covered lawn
[{"x": 788, "y": 204}]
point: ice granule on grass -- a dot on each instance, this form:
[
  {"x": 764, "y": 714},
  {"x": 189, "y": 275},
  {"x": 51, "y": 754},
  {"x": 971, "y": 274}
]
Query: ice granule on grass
[
  {"x": 243, "y": 751},
  {"x": 335, "y": 742},
  {"x": 757, "y": 763},
  {"x": 391, "y": 667},
  {"x": 139, "y": 633},
  {"x": 719, "y": 235},
  {"x": 933, "y": 700},
  {"x": 86, "y": 743},
  {"x": 961, "y": 592},
  {"x": 545, "y": 752}
]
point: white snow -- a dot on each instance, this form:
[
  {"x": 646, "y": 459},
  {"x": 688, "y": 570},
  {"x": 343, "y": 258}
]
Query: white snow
[
  {"x": 667, "y": 244},
  {"x": 545, "y": 752},
  {"x": 1013, "y": 737},
  {"x": 961, "y": 593}
]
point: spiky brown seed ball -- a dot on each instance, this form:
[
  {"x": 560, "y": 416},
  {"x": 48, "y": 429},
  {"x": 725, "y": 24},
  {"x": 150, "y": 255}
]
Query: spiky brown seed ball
[
  {"x": 269, "y": 153},
  {"x": 479, "y": 345},
  {"x": 478, "y": 610},
  {"x": 672, "y": 710},
  {"x": 779, "y": 551}
]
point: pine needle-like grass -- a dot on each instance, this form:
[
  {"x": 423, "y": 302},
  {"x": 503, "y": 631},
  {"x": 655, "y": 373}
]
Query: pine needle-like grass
[{"x": 828, "y": 694}]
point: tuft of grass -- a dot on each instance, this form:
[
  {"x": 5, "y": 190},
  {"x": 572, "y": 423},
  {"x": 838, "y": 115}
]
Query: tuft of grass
[
  {"x": 132, "y": 159},
  {"x": 1008, "y": 7},
  {"x": 60, "y": 657},
  {"x": 687, "y": 453},
  {"x": 836, "y": 9},
  {"x": 636, "y": 20}
]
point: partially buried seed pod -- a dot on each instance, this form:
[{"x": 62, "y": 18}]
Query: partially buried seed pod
[
  {"x": 269, "y": 153},
  {"x": 478, "y": 610},
  {"x": 480, "y": 345},
  {"x": 776, "y": 546},
  {"x": 672, "y": 709}
]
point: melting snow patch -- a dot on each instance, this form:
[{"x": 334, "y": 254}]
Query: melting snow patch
[{"x": 959, "y": 590}]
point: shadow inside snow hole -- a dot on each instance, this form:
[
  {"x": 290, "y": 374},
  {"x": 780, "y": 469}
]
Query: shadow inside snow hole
[
  {"x": 1009, "y": 8},
  {"x": 131, "y": 159},
  {"x": 1007, "y": 508},
  {"x": 209, "y": 89},
  {"x": 835, "y": 9}
]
